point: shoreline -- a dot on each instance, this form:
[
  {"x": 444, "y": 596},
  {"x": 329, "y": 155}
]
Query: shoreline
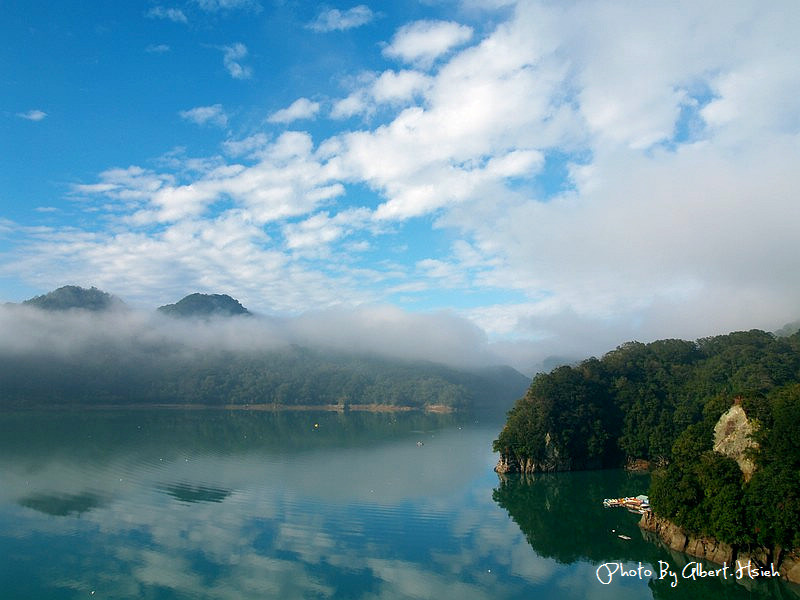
[
  {"x": 260, "y": 407},
  {"x": 785, "y": 560}
]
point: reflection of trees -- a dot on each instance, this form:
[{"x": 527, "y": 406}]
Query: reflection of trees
[
  {"x": 101, "y": 435},
  {"x": 562, "y": 516}
]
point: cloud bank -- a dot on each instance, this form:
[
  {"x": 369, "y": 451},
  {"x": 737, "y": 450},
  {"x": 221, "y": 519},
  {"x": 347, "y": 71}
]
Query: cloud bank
[{"x": 374, "y": 330}]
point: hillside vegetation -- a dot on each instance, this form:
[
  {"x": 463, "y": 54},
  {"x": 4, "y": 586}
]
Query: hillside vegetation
[{"x": 660, "y": 402}]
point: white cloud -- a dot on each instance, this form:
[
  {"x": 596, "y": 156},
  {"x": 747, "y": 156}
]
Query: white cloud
[
  {"x": 354, "y": 104},
  {"x": 246, "y": 146},
  {"x": 231, "y": 58},
  {"x": 206, "y": 115},
  {"x": 315, "y": 234},
  {"x": 175, "y": 15},
  {"x": 394, "y": 86},
  {"x": 302, "y": 108},
  {"x": 33, "y": 115},
  {"x": 390, "y": 87},
  {"x": 131, "y": 185},
  {"x": 424, "y": 41},
  {"x": 337, "y": 20}
]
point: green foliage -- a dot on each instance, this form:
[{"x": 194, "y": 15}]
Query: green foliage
[
  {"x": 292, "y": 376},
  {"x": 704, "y": 491},
  {"x": 74, "y": 297},
  {"x": 661, "y": 401}
]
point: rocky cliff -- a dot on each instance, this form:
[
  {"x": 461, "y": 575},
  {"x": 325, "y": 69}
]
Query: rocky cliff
[
  {"x": 732, "y": 437},
  {"x": 786, "y": 562},
  {"x": 554, "y": 460}
]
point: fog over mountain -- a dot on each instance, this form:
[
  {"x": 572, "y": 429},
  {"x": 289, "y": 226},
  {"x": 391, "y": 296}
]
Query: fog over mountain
[{"x": 378, "y": 330}]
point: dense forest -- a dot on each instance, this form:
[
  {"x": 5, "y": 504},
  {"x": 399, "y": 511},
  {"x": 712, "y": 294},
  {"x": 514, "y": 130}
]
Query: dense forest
[
  {"x": 292, "y": 376},
  {"x": 660, "y": 402}
]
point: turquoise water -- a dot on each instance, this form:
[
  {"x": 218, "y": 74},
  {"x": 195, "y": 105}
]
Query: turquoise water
[{"x": 211, "y": 504}]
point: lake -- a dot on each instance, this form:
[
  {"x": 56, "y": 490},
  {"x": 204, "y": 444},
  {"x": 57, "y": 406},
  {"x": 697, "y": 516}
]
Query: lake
[{"x": 168, "y": 504}]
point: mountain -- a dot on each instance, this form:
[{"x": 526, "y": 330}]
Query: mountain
[
  {"x": 788, "y": 329},
  {"x": 134, "y": 372},
  {"x": 64, "y": 360},
  {"x": 636, "y": 401},
  {"x": 204, "y": 305},
  {"x": 75, "y": 297}
]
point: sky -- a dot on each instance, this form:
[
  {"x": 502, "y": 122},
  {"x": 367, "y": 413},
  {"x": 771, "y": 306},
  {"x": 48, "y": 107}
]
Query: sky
[{"x": 553, "y": 178}]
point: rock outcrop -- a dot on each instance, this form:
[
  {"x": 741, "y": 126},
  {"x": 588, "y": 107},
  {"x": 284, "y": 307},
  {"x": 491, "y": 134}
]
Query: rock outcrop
[
  {"x": 708, "y": 548},
  {"x": 554, "y": 460},
  {"x": 732, "y": 437}
]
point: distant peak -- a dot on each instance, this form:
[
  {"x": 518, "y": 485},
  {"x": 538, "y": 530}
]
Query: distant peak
[
  {"x": 205, "y": 305},
  {"x": 75, "y": 297}
]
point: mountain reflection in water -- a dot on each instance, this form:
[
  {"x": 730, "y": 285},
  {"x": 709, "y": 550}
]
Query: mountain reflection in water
[
  {"x": 195, "y": 493},
  {"x": 62, "y": 505}
]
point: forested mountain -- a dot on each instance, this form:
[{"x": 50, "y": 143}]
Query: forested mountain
[
  {"x": 291, "y": 376},
  {"x": 99, "y": 357},
  {"x": 204, "y": 305},
  {"x": 74, "y": 297},
  {"x": 661, "y": 402}
]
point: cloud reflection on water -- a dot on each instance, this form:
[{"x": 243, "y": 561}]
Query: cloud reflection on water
[{"x": 382, "y": 520}]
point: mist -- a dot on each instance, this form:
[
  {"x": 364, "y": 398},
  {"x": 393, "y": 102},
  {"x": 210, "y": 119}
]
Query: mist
[{"x": 375, "y": 330}]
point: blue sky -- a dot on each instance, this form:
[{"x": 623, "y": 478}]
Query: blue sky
[{"x": 561, "y": 177}]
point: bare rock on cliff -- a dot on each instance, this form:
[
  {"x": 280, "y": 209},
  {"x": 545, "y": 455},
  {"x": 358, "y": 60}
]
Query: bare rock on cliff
[
  {"x": 553, "y": 461},
  {"x": 790, "y": 566},
  {"x": 732, "y": 437}
]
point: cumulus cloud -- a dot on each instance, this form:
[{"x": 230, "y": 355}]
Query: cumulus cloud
[
  {"x": 246, "y": 146},
  {"x": 390, "y": 87},
  {"x": 424, "y": 41},
  {"x": 33, "y": 115},
  {"x": 206, "y": 115},
  {"x": 231, "y": 58},
  {"x": 334, "y": 19},
  {"x": 302, "y": 108}
]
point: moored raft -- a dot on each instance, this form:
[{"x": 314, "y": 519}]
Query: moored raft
[{"x": 637, "y": 504}]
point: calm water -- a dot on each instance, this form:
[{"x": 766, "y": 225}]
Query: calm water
[{"x": 206, "y": 504}]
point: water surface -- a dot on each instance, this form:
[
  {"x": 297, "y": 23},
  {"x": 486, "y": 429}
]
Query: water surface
[{"x": 213, "y": 504}]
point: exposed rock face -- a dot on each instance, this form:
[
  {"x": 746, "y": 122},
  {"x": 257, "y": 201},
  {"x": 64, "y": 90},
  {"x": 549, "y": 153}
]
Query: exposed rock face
[
  {"x": 674, "y": 537},
  {"x": 790, "y": 566},
  {"x": 553, "y": 461},
  {"x": 637, "y": 464},
  {"x": 732, "y": 438}
]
